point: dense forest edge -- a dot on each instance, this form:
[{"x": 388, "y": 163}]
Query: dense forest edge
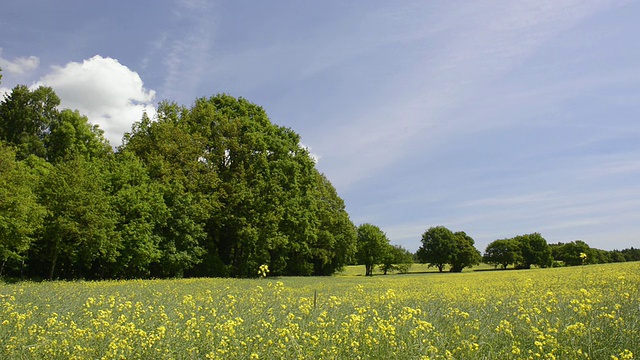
[{"x": 215, "y": 189}]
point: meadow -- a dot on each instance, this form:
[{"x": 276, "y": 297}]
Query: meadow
[{"x": 586, "y": 312}]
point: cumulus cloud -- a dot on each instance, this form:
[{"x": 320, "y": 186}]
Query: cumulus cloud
[
  {"x": 19, "y": 66},
  {"x": 107, "y": 92}
]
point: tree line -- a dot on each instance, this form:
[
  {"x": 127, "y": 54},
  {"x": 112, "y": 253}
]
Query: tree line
[
  {"x": 214, "y": 189},
  {"x": 442, "y": 248}
]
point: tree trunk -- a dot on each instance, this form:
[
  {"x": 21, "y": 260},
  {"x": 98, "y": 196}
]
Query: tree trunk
[{"x": 53, "y": 265}]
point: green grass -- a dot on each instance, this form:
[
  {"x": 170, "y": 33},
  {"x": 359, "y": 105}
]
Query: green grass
[{"x": 358, "y": 270}]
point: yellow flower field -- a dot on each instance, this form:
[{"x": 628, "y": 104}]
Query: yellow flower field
[{"x": 588, "y": 312}]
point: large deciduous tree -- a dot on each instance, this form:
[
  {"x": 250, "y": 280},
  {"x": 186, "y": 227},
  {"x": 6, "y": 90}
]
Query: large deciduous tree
[
  {"x": 438, "y": 246},
  {"x": 441, "y": 247},
  {"x": 373, "y": 245},
  {"x": 570, "y": 253},
  {"x": 534, "y": 250},
  {"x": 465, "y": 253},
  {"x": 141, "y": 213},
  {"x": 260, "y": 198}
]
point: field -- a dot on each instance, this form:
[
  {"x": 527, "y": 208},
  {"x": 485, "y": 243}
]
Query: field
[{"x": 588, "y": 312}]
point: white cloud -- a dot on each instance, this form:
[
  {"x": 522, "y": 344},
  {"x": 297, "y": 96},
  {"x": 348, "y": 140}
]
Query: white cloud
[
  {"x": 314, "y": 157},
  {"x": 107, "y": 92},
  {"x": 19, "y": 66}
]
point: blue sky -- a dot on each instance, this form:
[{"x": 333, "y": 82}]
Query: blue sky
[{"x": 496, "y": 118}]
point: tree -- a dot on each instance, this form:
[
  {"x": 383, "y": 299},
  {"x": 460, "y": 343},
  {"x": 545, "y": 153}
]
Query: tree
[
  {"x": 141, "y": 214},
  {"x": 569, "y": 253},
  {"x": 616, "y": 256},
  {"x": 438, "y": 245},
  {"x": 70, "y": 134},
  {"x": 173, "y": 159},
  {"x": 503, "y": 252},
  {"x": 534, "y": 250},
  {"x": 465, "y": 254},
  {"x": 333, "y": 237},
  {"x": 261, "y": 199},
  {"x": 372, "y": 246},
  {"x": 20, "y": 214},
  {"x": 631, "y": 254},
  {"x": 25, "y": 116},
  {"x": 396, "y": 258},
  {"x": 79, "y": 227}
]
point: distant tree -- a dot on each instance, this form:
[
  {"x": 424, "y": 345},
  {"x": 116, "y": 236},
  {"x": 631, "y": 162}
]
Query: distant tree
[
  {"x": 599, "y": 256},
  {"x": 616, "y": 256},
  {"x": 438, "y": 246},
  {"x": 465, "y": 254},
  {"x": 396, "y": 258},
  {"x": 569, "y": 253},
  {"x": 534, "y": 250},
  {"x": 631, "y": 254},
  {"x": 372, "y": 246},
  {"x": 503, "y": 252}
]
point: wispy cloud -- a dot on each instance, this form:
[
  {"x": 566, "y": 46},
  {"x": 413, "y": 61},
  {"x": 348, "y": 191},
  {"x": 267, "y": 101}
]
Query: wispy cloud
[
  {"x": 420, "y": 102},
  {"x": 185, "y": 50},
  {"x": 585, "y": 214},
  {"x": 19, "y": 66}
]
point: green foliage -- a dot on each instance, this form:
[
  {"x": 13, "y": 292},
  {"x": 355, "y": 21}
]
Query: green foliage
[
  {"x": 20, "y": 215},
  {"x": 30, "y": 121},
  {"x": 25, "y": 117},
  {"x": 441, "y": 247},
  {"x": 71, "y": 135},
  {"x": 372, "y": 246},
  {"x": 503, "y": 252},
  {"x": 569, "y": 253},
  {"x": 438, "y": 245},
  {"x": 141, "y": 213},
  {"x": 465, "y": 254},
  {"x": 396, "y": 258},
  {"x": 78, "y": 237},
  {"x": 534, "y": 250},
  {"x": 254, "y": 191}
]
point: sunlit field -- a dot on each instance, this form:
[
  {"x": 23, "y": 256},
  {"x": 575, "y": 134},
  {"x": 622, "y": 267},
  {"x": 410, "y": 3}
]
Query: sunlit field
[
  {"x": 358, "y": 270},
  {"x": 588, "y": 312}
]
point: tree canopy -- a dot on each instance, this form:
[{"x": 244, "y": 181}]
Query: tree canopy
[
  {"x": 214, "y": 189},
  {"x": 373, "y": 246},
  {"x": 441, "y": 247}
]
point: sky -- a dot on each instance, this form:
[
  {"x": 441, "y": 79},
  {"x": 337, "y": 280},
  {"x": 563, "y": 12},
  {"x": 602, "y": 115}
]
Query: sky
[{"x": 497, "y": 118}]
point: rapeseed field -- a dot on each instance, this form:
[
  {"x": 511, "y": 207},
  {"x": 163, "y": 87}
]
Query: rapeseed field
[{"x": 587, "y": 312}]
